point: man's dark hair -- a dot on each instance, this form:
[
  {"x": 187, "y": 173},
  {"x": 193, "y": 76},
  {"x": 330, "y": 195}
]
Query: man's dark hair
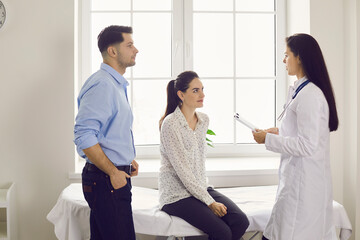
[{"x": 112, "y": 35}]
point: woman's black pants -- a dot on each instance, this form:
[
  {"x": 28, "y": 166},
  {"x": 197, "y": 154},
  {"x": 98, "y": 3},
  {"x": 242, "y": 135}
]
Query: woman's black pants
[{"x": 229, "y": 227}]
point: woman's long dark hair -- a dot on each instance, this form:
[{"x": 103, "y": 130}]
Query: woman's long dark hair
[
  {"x": 181, "y": 83},
  {"x": 312, "y": 60}
]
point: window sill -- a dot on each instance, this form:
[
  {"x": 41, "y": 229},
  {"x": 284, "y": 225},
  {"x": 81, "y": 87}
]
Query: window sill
[{"x": 215, "y": 167}]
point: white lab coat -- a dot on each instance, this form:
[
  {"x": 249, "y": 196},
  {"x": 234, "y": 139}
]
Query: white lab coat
[{"x": 303, "y": 207}]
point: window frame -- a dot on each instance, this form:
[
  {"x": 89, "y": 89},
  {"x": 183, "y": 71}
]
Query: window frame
[{"x": 182, "y": 47}]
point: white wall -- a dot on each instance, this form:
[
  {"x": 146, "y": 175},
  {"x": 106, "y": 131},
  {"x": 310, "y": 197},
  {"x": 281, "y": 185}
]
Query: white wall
[
  {"x": 352, "y": 111},
  {"x": 357, "y": 80},
  {"x": 298, "y": 16},
  {"x": 36, "y": 100},
  {"x": 351, "y": 106}
]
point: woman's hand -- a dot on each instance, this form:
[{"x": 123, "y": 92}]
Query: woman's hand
[
  {"x": 273, "y": 130},
  {"x": 259, "y": 136},
  {"x": 218, "y": 209}
]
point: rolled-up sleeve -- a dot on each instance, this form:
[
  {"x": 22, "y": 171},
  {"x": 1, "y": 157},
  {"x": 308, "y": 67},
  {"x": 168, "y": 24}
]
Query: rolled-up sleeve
[{"x": 95, "y": 108}]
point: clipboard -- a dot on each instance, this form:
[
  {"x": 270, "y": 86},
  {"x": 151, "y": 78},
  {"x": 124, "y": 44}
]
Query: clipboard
[{"x": 245, "y": 122}]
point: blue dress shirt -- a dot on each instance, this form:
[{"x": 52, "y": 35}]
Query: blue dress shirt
[{"x": 105, "y": 117}]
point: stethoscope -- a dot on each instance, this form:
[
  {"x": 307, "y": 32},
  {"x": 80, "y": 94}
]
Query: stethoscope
[{"x": 298, "y": 89}]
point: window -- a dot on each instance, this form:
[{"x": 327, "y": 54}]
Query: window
[{"x": 236, "y": 47}]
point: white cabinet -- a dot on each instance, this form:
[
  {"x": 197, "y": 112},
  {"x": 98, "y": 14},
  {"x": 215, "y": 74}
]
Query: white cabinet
[{"x": 7, "y": 212}]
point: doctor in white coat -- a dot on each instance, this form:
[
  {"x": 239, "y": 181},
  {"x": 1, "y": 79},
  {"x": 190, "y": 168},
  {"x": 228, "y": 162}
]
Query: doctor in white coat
[{"x": 303, "y": 207}]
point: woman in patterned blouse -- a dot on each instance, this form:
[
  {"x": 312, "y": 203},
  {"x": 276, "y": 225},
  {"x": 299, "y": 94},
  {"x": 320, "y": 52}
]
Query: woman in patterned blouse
[{"x": 184, "y": 191}]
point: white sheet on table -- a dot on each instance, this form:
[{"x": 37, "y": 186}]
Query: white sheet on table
[{"x": 70, "y": 215}]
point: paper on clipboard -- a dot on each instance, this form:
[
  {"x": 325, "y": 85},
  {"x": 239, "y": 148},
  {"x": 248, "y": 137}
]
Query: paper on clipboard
[{"x": 243, "y": 121}]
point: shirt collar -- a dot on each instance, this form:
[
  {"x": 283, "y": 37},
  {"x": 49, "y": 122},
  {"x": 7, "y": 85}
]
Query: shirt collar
[
  {"x": 117, "y": 76},
  {"x": 180, "y": 116},
  {"x": 299, "y": 81}
]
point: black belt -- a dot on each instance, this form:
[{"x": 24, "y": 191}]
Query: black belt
[{"x": 92, "y": 168}]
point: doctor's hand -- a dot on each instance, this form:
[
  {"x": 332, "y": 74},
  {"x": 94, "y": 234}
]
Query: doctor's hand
[
  {"x": 134, "y": 168},
  {"x": 259, "y": 136},
  {"x": 218, "y": 209},
  {"x": 273, "y": 130}
]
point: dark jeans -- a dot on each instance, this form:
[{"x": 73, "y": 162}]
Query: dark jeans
[
  {"x": 230, "y": 227},
  {"x": 111, "y": 213},
  {"x": 264, "y": 238}
]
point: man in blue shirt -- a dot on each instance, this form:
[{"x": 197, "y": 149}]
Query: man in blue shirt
[{"x": 103, "y": 136}]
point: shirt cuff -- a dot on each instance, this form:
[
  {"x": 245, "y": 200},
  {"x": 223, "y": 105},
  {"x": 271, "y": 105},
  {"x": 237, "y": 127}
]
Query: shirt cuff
[{"x": 208, "y": 200}]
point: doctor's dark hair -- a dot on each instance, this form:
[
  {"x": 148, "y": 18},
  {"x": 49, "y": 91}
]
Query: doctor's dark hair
[
  {"x": 313, "y": 63},
  {"x": 181, "y": 83},
  {"x": 112, "y": 35}
]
